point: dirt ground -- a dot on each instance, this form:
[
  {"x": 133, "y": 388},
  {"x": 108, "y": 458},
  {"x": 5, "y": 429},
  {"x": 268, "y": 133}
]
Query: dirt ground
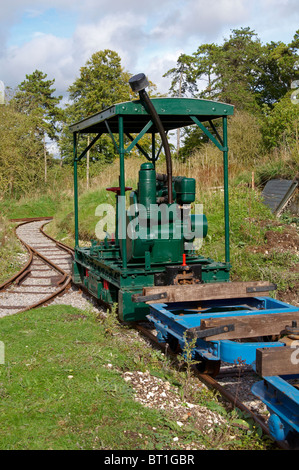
[{"x": 285, "y": 238}]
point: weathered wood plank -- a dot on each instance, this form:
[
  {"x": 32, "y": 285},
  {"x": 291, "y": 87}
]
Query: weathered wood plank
[
  {"x": 277, "y": 361},
  {"x": 251, "y": 326},
  {"x": 209, "y": 291}
]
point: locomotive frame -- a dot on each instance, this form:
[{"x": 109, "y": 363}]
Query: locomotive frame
[{"x": 103, "y": 269}]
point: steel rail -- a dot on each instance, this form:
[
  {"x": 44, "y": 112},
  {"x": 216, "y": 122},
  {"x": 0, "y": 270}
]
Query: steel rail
[
  {"x": 20, "y": 273},
  {"x": 65, "y": 281}
]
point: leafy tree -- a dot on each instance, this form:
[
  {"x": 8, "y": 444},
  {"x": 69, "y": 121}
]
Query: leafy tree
[
  {"x": 184, "y": 78},
  {"x": 20, "y": 150},
  {"x": 280, "y": 125},
  {"x": 102, "y": 82},
  {"x": 237, "y": 69},
  {"x": 34, "y": 97},
  {"x": 205, "y": 63},
  {"x": 278, "y": 65},
  {"x": 183, "y": 81},
  {"x": 243, "y": 72}
]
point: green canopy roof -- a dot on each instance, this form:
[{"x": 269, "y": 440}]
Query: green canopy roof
[{"x": 174, "y": 113}]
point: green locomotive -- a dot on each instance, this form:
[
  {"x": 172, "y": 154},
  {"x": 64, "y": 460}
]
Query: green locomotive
[{"x": 154, "y": 237}]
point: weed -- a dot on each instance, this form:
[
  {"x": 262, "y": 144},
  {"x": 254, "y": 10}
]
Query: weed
[
  {"x": 186, "y": 359},
  {"x": 110, "y": 320}
]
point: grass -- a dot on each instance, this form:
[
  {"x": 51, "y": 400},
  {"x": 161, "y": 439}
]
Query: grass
[
  {"x": 55, "y": 357},
  {"x": 12, "y": 253},
  {"x": 61, "y": 388},
  {"x": 250, "y": 221},
  {"x": 55, "y": 387}
]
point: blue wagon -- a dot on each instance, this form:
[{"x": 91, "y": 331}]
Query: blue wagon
[{"x": 254, "y": 330}]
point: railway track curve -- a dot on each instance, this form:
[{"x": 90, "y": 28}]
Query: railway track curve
[{"x": 46, "y": 274}]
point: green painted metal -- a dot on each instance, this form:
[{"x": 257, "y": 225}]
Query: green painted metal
[
  {"x": 184, "y": 189},
  {"x": 88, "y": 147},
  {"x": 76, "y": 210},
  {"x": 153, "y": 159},
  {"x": 140, "y": 135},
  {"x": 226, "y": 195},
  {"x": 98, "y": 265},
  {"x": 173, "y": 112},
  {"x": 113, "y": 271},
  {"x": 121, "y": 204},
  {"x": 147, "y": 185},
  {"x": 208, "y": 133}
]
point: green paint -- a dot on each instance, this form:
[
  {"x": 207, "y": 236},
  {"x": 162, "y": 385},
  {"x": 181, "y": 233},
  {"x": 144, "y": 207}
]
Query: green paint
[{"x": 114, "y": 271}]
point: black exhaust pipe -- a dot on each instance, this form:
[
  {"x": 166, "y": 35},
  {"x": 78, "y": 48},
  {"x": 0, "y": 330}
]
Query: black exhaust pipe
[{"x": 138, "y": 83}]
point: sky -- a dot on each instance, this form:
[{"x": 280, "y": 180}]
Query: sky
[{"x": 59, "y": 36}]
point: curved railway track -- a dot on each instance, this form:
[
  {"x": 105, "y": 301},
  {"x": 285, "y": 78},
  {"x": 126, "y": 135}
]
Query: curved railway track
[{"x": 46, "y": 274}]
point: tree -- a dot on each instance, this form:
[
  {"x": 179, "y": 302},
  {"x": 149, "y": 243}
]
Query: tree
[
  {"x": 237, "y": 69},
  {"x": 205, "y": 63},
  {"x": 102, "y": 82},
  {"x": 184, "y": 78},
  {"x": 279, "y": 68},
  {"x": 34, "y": 97},
  {"x": 243, "y": 72},
  {"x": 280, "y": 125},
  {"x": 20, "y": 147},
  {"x": 183, "y": 82}
]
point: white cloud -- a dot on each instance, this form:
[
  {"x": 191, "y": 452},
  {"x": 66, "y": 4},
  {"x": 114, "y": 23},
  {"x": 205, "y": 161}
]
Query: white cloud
[
  {"x": 112, "y": 32},
  {"x": 148, "y": 36},
  {"x": 201, "y": 19},
  {"x": 44, "y": 52}
]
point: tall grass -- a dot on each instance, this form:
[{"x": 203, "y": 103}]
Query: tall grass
[{"x": 12, "y": 254}]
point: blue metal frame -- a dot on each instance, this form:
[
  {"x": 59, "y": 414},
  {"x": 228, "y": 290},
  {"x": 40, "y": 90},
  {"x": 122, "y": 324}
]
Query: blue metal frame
[
  {"x": 282, "y": 400},
  {"x": 176, "y": 319}
]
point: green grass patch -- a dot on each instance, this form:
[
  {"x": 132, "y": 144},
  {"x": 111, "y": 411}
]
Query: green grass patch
[
  {"x": 246, "y": 212},
  {"x": 61, "y": 388},
  {"x": 250, "y": 256},
  {"x": 12, "y": 253},
  {"x": 38, "y": 205}
]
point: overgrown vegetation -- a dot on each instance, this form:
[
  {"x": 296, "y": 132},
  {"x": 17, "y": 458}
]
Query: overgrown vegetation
[
  {"x": 12, "y": 254},
  {"x": 256, "y": 78}
]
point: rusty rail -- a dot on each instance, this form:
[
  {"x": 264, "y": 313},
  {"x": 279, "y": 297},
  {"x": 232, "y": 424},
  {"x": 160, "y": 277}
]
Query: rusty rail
[{"x": 20, "y": 275}]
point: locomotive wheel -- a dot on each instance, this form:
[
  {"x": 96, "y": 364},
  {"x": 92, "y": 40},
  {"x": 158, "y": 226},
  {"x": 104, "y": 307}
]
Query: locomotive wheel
[{"x": 208, "y": 367}]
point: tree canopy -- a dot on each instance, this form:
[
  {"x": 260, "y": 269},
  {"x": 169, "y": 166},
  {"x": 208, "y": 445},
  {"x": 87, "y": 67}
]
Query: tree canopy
[
  {"x": 242, "y": 71},
  {"x": 35, "y": 97},
  {"x": 101, "y": 83},
  {"x": 260, "y": 80}
]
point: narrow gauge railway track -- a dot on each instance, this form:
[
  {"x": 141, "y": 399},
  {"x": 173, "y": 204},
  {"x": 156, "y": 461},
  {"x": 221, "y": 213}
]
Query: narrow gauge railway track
[
  {"x": 214, "y": 384},
  {"x": 46, "y": 274}
]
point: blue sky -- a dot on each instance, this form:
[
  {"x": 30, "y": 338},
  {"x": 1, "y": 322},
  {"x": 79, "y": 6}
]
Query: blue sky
[
  {"x": 58, "y": 37},
  {"x": 33, "y": 22}
]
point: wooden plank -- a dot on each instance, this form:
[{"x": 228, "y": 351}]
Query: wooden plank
[
  {"x": 251, "y": 326},
  {"x": 276, "y": 361},
  {"x": 209, "y": 291}
]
